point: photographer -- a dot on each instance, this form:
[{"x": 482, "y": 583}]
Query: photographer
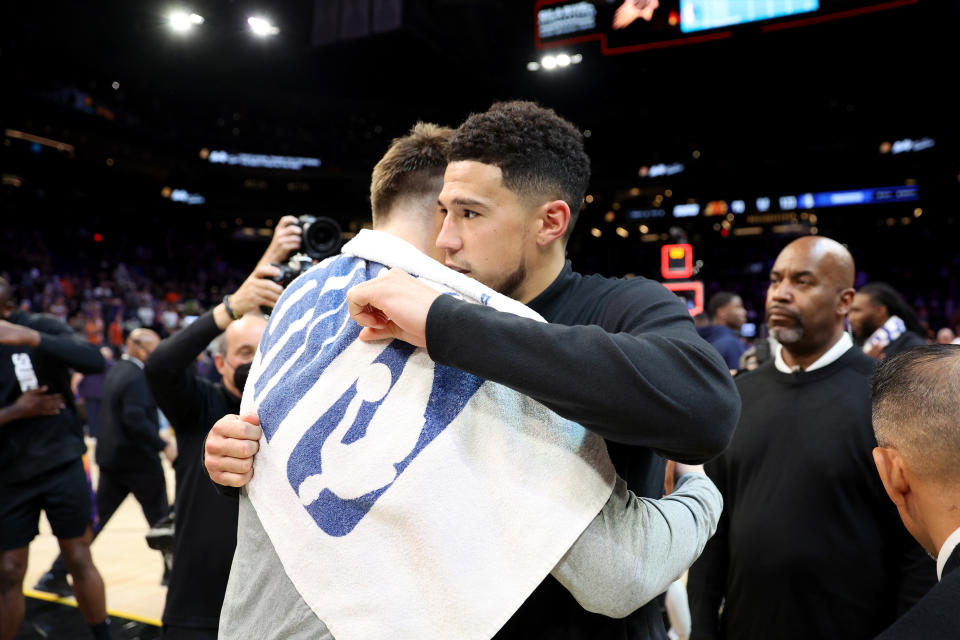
[{"x": 205, "y": 523}]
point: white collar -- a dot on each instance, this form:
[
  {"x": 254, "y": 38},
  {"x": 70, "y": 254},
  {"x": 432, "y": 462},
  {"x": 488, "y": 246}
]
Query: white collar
[
  {"x": 839, "y": 348},
  {"x": 948, "y": 546},
  {"x": 132, "y": 359}
]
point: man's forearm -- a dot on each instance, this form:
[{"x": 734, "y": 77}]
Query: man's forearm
[
  {"x": 636, "y": 547},
  {"x": 667, "y": 391}
]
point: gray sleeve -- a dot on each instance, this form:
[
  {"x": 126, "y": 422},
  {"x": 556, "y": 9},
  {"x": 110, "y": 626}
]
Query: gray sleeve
[{"x": 635, "y": 547}]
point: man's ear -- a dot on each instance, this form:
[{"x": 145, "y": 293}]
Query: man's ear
[
  {"x": 845, "y": 301},
  {"x": 554, "y": 218},
  {"x": 892, "y": 474},
  {"x": 219, "y": 362}
]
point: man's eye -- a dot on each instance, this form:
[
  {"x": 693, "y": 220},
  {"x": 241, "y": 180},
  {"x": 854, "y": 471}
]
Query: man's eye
[{"x": 469, "y": 214}]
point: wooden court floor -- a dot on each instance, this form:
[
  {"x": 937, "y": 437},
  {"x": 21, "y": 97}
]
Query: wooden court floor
[{"x": 131, "y": 570}]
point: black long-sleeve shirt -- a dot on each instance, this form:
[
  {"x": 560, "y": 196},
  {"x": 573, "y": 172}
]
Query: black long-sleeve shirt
[
  {"x": 809, "y": 545},
  {"x": 206, "y": 523},
  {"x": 622, "y": 358},
  {"x": 30, "y": 446},
  {"x": 128, "y": 431}
]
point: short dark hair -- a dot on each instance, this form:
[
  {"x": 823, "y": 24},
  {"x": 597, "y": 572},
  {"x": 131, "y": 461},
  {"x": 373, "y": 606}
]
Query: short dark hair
[
  {"x": 413, "y": 166},
  {"x": 539, "y": 153},
  {"x": 916, "y": 408},
  {"x": 883, "y": 293},
  {"x": 718, "y": 301}
]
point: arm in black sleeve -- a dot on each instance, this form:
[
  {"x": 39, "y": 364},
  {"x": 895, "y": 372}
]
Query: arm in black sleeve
[
  {"x": 135, "y": 406},
  {"x": 58, "y": 341},
  {"x": 178, "y": 392},
  {"x": 707, "y": 579},
  {"x": 656, "y": 383}
]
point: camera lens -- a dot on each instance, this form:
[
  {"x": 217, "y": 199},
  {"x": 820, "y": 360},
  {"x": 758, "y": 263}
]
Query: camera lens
[{"x": 321, "y": 236}]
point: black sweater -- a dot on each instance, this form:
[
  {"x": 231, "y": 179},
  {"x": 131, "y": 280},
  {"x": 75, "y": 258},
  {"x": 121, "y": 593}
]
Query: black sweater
[
  {"x": 128, "y": 432},
  {"x": 809, "y": 545},
  {"x": 31, "y": 446},
  {"x": 622, "y": 358},
  {"x": 206, "y": 524}
]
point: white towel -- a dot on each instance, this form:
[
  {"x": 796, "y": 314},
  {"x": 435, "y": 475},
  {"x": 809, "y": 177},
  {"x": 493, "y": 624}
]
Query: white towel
[{"x": 407, "y": 499}]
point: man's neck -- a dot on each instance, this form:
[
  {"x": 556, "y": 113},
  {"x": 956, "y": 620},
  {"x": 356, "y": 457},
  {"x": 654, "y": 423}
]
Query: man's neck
[
  {"x": 805, "y": 359},
  {"x": 538, "y": 279}
]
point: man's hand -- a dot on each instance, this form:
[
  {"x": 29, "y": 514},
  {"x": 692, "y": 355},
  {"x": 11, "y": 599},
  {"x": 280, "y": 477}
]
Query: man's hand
[
  {"x": 257, "y": 290},
  {"x": 170, "y": 451},
  {"x": 37, "y": 402},
  {"x": 677, "y": 469},
  {"x": 230, "y": 447},
  {"x": 286, "y": 239},
  {"x": 395, "y": 305},
  {"x": 875, "y": 351},
  {"x": 15, "y": 335}
]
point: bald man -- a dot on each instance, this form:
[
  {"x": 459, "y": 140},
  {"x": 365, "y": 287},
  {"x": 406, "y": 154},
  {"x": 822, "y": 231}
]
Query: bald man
[
  {"x": 129, "y": 440},
  {"x": 206, "y": 524},
  {"x": 808, "y": 545}
]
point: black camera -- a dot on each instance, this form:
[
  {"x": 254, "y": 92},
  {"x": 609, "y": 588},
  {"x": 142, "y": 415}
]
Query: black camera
[
  {"x": 297, "y": 264},
  {"x": 321, "y": 237}
]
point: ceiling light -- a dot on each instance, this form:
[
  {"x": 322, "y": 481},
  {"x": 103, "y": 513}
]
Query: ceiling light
[
  {"x": 180, "y": 21},
  {"x": 262, "y": 27},
  {"x": 533, "y": 66},
  {"x": 549, "y": 62},
  {"x": 563, "y": 60}
]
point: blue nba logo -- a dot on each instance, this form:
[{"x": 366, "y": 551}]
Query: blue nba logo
[{"x": 365, "y": 439}]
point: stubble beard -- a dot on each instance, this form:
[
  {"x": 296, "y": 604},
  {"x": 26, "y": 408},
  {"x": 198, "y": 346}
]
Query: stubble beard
[
  {"x": 513, "y": 281},
  {"x": 787, "y": 335}
]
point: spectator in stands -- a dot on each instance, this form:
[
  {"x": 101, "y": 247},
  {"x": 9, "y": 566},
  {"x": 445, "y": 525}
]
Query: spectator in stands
[
  {"x": 883, "y": 323},
  {"x": 727, "y": 315}
]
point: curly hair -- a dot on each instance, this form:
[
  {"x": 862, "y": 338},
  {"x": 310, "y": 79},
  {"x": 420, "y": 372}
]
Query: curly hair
[
  {"x": 412, "y": 167},
  {"x": 540, "y": 154}
]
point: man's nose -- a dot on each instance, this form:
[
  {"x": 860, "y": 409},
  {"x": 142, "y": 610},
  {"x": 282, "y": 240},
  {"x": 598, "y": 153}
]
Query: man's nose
[
  {"x": 779, "y": 291},
  {"x": 448, "y": 238}
]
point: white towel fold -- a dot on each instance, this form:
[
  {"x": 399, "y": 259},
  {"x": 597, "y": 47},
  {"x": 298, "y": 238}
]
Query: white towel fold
[{"x": 407, "y": 499}]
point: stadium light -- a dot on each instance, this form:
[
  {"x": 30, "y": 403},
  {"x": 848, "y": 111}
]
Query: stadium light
[
  {"x": 261, "y": 27},
  {"x": 181, "y": 21}
]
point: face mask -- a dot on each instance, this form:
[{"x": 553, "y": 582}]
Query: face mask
[{"x": 240, "y": 376}]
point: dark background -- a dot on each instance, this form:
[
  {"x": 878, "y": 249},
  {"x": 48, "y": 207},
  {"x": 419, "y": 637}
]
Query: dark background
[{"x": 757, "y": 114}]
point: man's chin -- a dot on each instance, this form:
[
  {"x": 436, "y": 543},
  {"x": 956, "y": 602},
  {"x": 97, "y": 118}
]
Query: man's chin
[{"x": 787, "y": 335}]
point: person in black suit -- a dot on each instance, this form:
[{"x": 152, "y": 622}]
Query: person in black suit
[
  {"x": 916, "y": 418},
  {"x": 129, "y": 442}
]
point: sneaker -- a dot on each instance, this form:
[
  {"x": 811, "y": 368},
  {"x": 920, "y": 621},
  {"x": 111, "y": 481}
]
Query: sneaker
[{"x": 53, "y": 583}]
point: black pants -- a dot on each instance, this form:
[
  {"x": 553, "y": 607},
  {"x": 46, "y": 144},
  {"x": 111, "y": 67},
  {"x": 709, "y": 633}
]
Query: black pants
[
  {"x": 187, "y": 633},
  {"x": 147, "y": 485}
]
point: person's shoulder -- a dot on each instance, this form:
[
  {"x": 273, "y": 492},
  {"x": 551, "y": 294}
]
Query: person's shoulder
[
  {"x": 933, "y": 616},
  {"x": 762, "y": 375},
  {"x": 859, "y": 363},
  {"x": 42, "y": 322}
]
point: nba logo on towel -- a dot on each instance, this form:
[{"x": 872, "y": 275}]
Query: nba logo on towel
[{"x": 362, "y": 440}]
